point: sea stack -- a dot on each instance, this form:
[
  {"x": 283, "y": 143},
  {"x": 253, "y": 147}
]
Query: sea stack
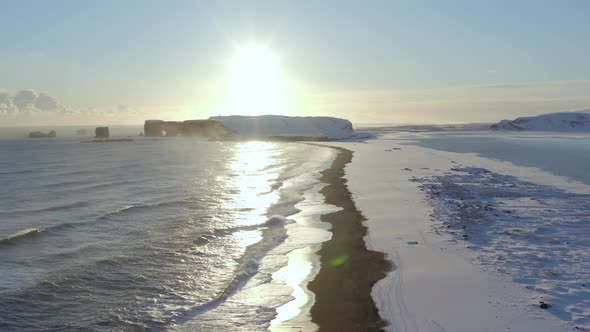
[
  {"x": 38, "y": 134},
  {"x": 102, "y": 132}
]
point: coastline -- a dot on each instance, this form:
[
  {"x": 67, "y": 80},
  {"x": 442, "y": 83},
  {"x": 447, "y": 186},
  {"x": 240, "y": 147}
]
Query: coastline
[
  {"x": 348, "y": 271},
  {"x": 436, "y": 281}
]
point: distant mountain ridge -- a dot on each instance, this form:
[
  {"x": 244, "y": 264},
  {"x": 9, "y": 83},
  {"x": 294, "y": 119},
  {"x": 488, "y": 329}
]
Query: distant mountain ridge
[{"x": 578, "y": 121}]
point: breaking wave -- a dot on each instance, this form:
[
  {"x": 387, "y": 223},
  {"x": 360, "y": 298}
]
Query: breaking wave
[
  {"x": 273, "y": 234},
  {"x": 25, "y": 233}
]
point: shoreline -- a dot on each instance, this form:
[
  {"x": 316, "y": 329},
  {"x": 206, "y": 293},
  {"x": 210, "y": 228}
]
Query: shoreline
[
  {"x": 436, "y": 281},
  {"x": 348, "y": 269}
]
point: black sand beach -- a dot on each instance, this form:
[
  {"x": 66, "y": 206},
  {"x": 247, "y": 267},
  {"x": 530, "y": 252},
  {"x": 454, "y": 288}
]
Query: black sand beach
[{"x": 348, "y": 270}]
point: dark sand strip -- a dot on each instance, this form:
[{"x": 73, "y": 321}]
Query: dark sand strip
[{"x": 348, "y": 270}]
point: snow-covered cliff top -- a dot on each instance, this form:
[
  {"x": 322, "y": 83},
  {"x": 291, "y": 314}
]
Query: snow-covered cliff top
[
  {"x": 277, "y": 125},
  {"x": 562, "y": 122}
]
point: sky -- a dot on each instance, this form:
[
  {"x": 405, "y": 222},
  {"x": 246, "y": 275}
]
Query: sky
[{"x": 75, "y": 62}]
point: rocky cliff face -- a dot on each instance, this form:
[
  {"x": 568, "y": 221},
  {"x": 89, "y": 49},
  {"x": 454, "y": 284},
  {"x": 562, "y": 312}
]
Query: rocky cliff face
[
  {"x": 102, "y": 132},
  {"x": 204, "y": 128},
  {"x": 247, "y": 127}
]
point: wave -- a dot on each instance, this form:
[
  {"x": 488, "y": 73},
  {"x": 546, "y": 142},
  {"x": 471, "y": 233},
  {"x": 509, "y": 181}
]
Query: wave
[
  {"x": 274, "y": 234},
  {"x": 141, "y": 207},
  {"x": 70, "y": 173},
  {"x": 71, "y": 188},
  {"x": 286, "y": 206},
  {"x": 129, "y": 209},
  {"x": 23, "y": 171},
  {"x": 63, "y": 184},
  {"x": 275, "y": 166},
  {"x": 82, "y": 182},
  {"x": 25, "y": 233},
  {"x": 274, "y": 187},
  {"x": 107, "y": 216},
  {"x": 221, "y": 232}
]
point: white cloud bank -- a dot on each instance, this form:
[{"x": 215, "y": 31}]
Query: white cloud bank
[
  {"x": 28, "y": 101},
  {"x": 456, "y": 104},
  {"x": 28, "y": 107}
]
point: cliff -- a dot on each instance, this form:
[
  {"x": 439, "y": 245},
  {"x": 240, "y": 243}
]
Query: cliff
[
  {"x": 205, "y": 128},
  {"x": 287, "y": 126}
]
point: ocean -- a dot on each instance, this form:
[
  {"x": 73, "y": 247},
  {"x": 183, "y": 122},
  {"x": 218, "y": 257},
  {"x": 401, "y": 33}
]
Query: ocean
[{"x": 156, "y": 234}]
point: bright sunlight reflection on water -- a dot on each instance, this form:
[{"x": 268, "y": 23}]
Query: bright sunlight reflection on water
[
  {"x": 294, "y": 274},
  {"x": 252, "y": 182}
]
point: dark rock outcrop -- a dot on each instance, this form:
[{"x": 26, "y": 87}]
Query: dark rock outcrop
[
  {"x": 102, "y": 132},
  {"x": 205, "y": 128},
  {"x": 38, "y": 134}
]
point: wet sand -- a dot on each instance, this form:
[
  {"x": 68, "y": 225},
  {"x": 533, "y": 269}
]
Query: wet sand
[{"x": 348, "y": 270}]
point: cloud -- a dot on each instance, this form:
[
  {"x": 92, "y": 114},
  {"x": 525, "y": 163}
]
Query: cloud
[
  {"x": 27, "y": 101},
  {"x": 466, "y": 103},
  {"x": 45, "y": 102},
  {"x": 29, "y": 107},
  {"x": 24, "y": 99},
  {"x": 4, "y": 96},
  {"x": 6, "y": 106}
]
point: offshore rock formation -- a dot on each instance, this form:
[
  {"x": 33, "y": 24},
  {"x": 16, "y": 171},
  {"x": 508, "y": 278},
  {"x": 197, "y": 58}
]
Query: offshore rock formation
[
  {"x": 38, "y": 134},
  {"x": 205, "y": 128},
  {"x": 102, "y": 132}
]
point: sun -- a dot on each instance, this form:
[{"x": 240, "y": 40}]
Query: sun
[{"x": 255, "y": 86}]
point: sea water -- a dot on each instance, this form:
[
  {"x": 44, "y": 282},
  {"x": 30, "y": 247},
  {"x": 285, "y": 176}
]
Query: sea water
[
  {"x": 566, "y": 155},
  {"x": 154, "y": 234}
]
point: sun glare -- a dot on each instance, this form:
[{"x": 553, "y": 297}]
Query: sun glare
[{"x": 255, "y": 86}]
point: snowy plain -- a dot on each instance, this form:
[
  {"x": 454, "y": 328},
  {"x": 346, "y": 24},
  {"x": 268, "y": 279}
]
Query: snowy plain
[
  {"x": 578, "y": 121},
  {"x": 477, "y": 242}
]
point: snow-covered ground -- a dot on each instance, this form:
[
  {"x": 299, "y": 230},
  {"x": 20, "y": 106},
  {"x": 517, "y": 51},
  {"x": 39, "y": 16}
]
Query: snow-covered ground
[
  {"x": 477, "y": 242},
  {"x": 277, "y": 125},
  {"x": 528, "y": 231},
  {"x": 561, "y": 122}
]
